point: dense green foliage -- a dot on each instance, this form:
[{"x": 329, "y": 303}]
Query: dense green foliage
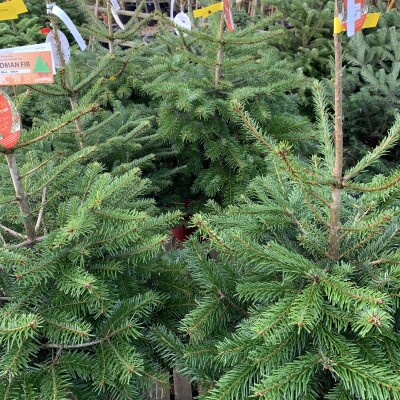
[
  {"x": 308, "y": 33},
  {"x": 77, "y": 298},
  {"x": 98, "y": 302},
  {"x": 193, "y": 114}
]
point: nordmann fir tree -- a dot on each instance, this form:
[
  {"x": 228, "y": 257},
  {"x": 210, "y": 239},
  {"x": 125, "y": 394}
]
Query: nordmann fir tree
[
  {"x": 297, "y": 285},
  {"x": 123, "y": 129},
  {"x": 78, "y": 245},
  {"x": 190, "y": 78},
  {"x": 371, "y": 88},
  {"x": 307, "y": 34}
]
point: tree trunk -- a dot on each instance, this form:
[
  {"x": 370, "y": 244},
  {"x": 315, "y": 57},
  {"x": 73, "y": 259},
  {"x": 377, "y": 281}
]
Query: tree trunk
[
  {"x": 334, "y": 238},
  {"x": 159, "y": 392},
  {"x": 218, "y": 67},
  {"x": 21, "y": 198},
  {"x": 182, "y": 386}
]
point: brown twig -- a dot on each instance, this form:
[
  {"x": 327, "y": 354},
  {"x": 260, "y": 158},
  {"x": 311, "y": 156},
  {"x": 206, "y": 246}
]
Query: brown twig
[
  {"x": 12, "y": 232},
  {"x": 41, "y": 211},
  {"x": 71, "y": 346},
  {"x": 29, "y": 243},
  {"x": 218, "y": 67}
]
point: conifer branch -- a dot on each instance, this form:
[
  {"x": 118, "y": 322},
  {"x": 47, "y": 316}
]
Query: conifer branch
[
  {"x": 22, "y": 199},
  {"x": 317, "y": 215},
  {"x": 361, "y": 242},
  {"x": 11, "y": 232},
  {"x": 87, "y": 344},
  {"x": 39, "y": 89},
  {"x": 68, "y": 84},
  {"x": 57, "y": 128},
  {"x": 41, "y": 211},
  {"x": 32, "y": 171},
  {"x": 362, "y": 188}
]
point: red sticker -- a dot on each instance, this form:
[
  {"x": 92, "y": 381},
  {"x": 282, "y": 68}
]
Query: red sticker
[
  {"x": 10, "y": 123},
  {"x": 358, "y": 10},
  {"x": 228, "y": 16}
]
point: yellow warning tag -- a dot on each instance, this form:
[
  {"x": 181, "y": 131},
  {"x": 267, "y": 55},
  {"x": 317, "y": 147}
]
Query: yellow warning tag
[
  {"x": 19, "y": 6},
  {"x": 7, "y": 12},
  {"x": 370, "y": 22},
  {"x": 206, "y": 11}
]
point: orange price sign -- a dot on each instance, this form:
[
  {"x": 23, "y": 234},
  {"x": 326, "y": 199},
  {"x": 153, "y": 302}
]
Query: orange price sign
[{"x": 27, "y": 65}]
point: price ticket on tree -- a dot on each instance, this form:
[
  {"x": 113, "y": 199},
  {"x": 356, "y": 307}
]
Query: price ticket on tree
[{"x": 27, "y": 65}]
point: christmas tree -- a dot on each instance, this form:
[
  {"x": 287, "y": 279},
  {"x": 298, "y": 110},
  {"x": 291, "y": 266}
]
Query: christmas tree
[
  {"x": 371, "y": 88},
  {"x": 190, "y": 78},
  {"x": 79, "y": 239},
  {"x": 294, "y": 288}
]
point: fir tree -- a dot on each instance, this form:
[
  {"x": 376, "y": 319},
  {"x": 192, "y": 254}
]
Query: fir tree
[
  {"x": 26, "y": 29},
  {"x": 307, "y": 34},
  {"x": 79, "y": 240},
  {"x": 190, "y": 78},
  {"x": 296, "y": 285}
]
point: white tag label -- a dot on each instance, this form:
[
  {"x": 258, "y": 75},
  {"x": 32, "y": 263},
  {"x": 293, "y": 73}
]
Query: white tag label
[
  {"x": 115, "y": 4},
  {"x": 52, "y": 8}
]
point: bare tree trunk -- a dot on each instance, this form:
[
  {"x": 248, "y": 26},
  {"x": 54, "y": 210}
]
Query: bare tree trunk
[
  {"x": 68, "y": 84},
  {"x": 21, "y": 198},
  {"x": 218, "y": 67},
  {"x": 110, "y": 29},
  {"x": 159, "y": 392},
  {"x": 391, "y": 5},
  {"x": 334, "y": 238},
  {"x": 182, "y": 386}
]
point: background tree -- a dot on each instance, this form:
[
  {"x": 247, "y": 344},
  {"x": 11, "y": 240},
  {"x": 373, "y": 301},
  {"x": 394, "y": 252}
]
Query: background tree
[{"x": 183, "y": 79}]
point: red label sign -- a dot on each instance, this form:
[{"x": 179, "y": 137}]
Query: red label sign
[
  {"x": 228, "y": 16},
  {"x": 10, "y": 123},
  {"x": 352, "y": 15}
]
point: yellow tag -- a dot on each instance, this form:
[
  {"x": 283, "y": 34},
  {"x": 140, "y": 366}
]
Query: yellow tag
[
  {"x": 206, "y": 11},
  {"x": 7, "y": 12},
  {"x": 19, "y": 6},
  {"x": 370, "y": 22}
]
